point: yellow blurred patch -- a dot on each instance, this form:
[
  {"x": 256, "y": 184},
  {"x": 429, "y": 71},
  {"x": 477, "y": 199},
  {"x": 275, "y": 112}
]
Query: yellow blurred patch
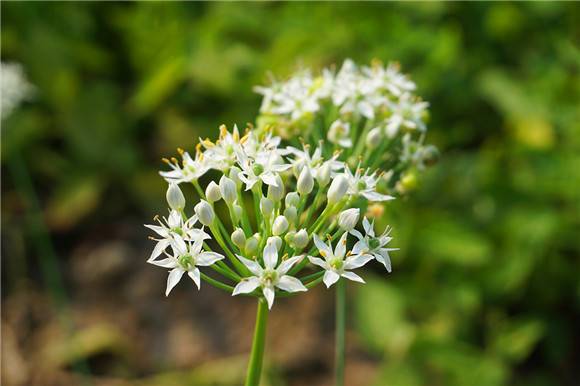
[{"x": 534, "y": 132}]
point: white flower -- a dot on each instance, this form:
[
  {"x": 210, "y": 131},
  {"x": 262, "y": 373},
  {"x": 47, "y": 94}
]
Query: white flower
[
  {"x": 222, "y": 154},
  {"x": 316, "y": 162},
  {"x": 373, "y": 246},
  {"x": 264, "y": 168},
  {"x": 171, "y": 227},
  {"x": 360, "y": 184},
  {"x": 192, "y": 169},
  {"x": 186, "y": 257},
  {"x": 408, "y": 113},
  {"x": 339, "y": 133},
  {"x": 335, "y": 263},
  {"x": 270, "y": 276},
  {"x": 14, "y": 87}
]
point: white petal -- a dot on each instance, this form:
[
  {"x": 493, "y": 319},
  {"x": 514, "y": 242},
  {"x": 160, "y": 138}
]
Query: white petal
[
  {"x": 161, "y": 231},
  {"x": 322, "y": 247},
  {"x": 340, "y": 249},
  {"x": 366, "y": 225},
  {"x": 374, "y": 196},
  {"x": 269, "y": 179},
  {"x": 290, "y": 284},
  {"x": 270, "y": 255},
  {"x": 357, "y": 234},
  {"x": 357, "y": 261},
  {"x": 252, "y": 265},
  {"x": 207, "y": 258},
  {"x": 195, "y": 276},
  {"x": 359, "y": 247},
  {"x": 173, "y": 278},
  {"x": 383, "y": 257},
  {"x": 169, "y": 262},
  {"x": 318, "y": 261},
  {"x": 352, "y": 276},
  {"x": 158, "y": 250},
  {"x": 269, "y": 295},
  {"x": 174, "y": 219},
  {"x": 247, "y": 285},
  {"x": 287, "y": 264},
  {"x": 178, "y": 245},
  {"x": 330, "y": 277}
]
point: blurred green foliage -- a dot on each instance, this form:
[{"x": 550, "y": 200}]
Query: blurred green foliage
[{"x": 485, "y": 289}]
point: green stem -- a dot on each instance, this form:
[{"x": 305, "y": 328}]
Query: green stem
[
  {"x": 257, "y": 353},
  {"x": 217, "y": 283},
  {"x": 340, "y": 331}
]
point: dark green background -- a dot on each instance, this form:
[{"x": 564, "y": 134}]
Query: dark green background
[{"x": 485, "y": 289}]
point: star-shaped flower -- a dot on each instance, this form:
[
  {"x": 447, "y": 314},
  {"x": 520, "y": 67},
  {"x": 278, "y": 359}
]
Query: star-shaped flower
[
  {"x": 335, "y": 263},
  {"x": 271, "y": 276},
  {"x": 373, "y": 246},
  {"x": 186, "y": 257}
]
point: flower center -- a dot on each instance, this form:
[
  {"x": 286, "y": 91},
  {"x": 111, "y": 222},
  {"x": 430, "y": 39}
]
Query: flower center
[
  {"x": 177, "y": 230},
  {"x": 361, "y": 185},
  {"x": 186, "y": 261},
  {"x": 270, "y": 276},
  {"x": 374, "y": 243},
  {"x": 336, "y": 263},
  {"x": 257, "y": 169}
]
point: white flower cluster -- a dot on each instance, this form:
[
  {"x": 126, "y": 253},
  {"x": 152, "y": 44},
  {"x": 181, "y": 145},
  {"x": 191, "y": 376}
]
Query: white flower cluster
[
  {"x": 266, "y": 208},
  {"x": 14, "y": 87},
  {"x": 364, "y": 111}
]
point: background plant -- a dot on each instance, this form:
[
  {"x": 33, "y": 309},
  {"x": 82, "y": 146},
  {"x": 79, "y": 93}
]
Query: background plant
[{"x": 120, "y": 85}]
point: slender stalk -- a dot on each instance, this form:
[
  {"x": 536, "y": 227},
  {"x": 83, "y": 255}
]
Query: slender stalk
[
  {"x": 340, "y": 331},
  {"x": 257, "y": 353}
]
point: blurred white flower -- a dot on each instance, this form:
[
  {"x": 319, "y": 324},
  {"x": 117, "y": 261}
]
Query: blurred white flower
[{"x": 14, "y": 88}]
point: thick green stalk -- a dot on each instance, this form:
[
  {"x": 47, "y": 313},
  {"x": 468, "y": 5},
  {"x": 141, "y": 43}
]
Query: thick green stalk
[
  {"x": 340, "y": 331},
  {"x": 257, "y": 353}
]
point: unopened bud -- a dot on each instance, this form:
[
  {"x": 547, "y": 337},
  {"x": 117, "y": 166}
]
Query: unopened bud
[
  {"x": 347, "y": 219},
  {"x": 337, "y": 189},
  {"x": 204, "y": 212},
  {"x": 289, "y": 238},
  {"x": 234, "y": 176},
  {"x": 276, "y": 192},
  {"x": 374, "y": 138},
  {"x": 212, "y": 192},
  {"x": 305, "y": 181},
  {"x": 291, "y": 213},
  {"x": 280, "y": 226},
  {"x": 238, "y": 211},
  {"x": 277, "y": 241},
  {"x": 239, "y": 238},
  {"x": 228, "y": 189},
  {"x": 175, "y": 197},
  {"x": 301, "y": 239},
  {"x": 323, "y": 174},
  {"x": 251, "y": 247},
  {"x": 292, "y": 199},
  {"x": 266, "y": 207}
]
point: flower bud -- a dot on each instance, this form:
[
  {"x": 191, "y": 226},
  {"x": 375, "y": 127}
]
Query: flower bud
[
  {"x": 300, "y": 239},
  {"x": 234, "y": 176},
  {"x": 280, "y": 226},
  {"x": 276, "y": 192},
  {"x": 292, "y": 199},
  {"x": 204, "y": 212},
  {"x": 374, "y": 138},
  {"x": 291, "y": 213},
  {"x": 277, "y": 241},
  {"x": 430, "y": 155},
  {"x": 266, "y": 207},
  {"x": 289, "y": 238},
  {"x": 238, "y": 211},
  {"x": 347, "y": 219},
  {"x": 305, "y": 181},
  {"x": 228, "y": 189},
  {"x": 212, "y": 192},
  {"x": 175, "y": 197},
  {"x": 323, "y": 174},
  {"x": 239, "y": 238},
  {"x": 251, "y": 248},
  {"x": 337, "y": 189}
]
